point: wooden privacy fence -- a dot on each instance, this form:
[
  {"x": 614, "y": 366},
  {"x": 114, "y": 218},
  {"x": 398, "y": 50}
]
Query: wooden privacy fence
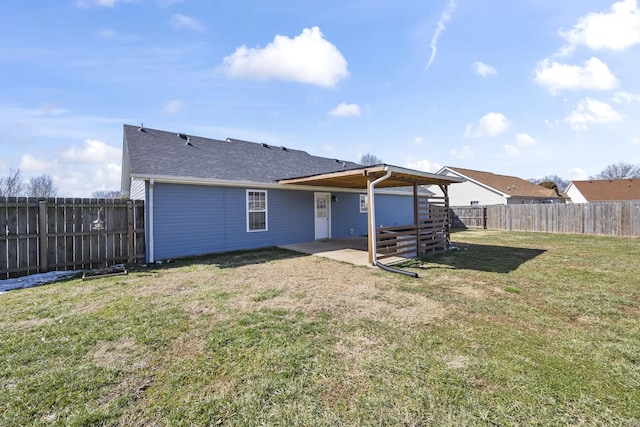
[
  {"x": 601, "y": 218},
  {"x": 40, "y": 235}
]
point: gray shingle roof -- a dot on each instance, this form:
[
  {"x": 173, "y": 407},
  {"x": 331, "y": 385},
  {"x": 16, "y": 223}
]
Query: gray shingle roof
[{"x": 152, "y": 153}]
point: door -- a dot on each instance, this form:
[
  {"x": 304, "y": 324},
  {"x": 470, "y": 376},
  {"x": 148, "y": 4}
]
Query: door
[{"x": 323, "y": 215}]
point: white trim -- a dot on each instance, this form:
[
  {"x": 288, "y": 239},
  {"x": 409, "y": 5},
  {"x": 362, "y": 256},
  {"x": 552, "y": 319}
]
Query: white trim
[
  {"x": 366, "y": 203},
  {"x": 315, "y": 213},
  {"x": 167, "y": 179},
  {"x": 266, "y": 209}
]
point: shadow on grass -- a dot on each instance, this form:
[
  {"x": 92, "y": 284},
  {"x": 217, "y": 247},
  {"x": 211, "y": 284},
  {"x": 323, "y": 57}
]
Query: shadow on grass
[
  {"x": 223, "y": 260},
  {"x": 489, "y": 258}
]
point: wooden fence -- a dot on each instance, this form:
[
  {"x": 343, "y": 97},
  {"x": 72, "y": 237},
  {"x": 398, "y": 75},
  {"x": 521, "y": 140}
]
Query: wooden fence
[
  {"x": 40, "y": 235},
  {"x": 602, "y": 218}
]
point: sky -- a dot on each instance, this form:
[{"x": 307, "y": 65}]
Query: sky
[{"x": 528, "y": 88}]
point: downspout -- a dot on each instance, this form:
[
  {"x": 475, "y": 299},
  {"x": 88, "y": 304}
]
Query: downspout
[
  {"x": 150, "y": 217},
  {"x": 372, "y": 237}
]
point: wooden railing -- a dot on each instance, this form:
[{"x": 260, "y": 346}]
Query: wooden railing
[{"x": 416, "y": 240}]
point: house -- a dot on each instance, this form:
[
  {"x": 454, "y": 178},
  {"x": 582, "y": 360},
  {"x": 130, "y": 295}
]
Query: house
[
  {"x": 487, "y": 188},
  {"x": 603, "y": 190},
  {"x": 205, "y": 195}
]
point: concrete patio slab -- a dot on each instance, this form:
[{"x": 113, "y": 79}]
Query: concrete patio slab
[{"x": 353, "y": 250}]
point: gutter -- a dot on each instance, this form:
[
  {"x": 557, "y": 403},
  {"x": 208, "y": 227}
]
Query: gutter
[{"x": 372, "y": 238}]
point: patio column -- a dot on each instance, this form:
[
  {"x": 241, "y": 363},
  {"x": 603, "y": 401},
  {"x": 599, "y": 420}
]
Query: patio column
[
  {"x": 416, "y": 217},
  {"x": 371, "y": 231}
]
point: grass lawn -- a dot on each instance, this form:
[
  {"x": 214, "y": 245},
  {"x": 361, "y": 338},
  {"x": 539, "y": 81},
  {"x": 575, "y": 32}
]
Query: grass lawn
[{"x": 509, "y": 329}]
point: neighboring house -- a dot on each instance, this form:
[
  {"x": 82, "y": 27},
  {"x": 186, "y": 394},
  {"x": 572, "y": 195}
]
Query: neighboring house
[
  {"x": 486, "y": 188},
  {"x": 603, "y": 190},
  {"x": 205, "y": 195}
]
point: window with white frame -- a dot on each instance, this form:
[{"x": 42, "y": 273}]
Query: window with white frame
[
  {"x": 364, "y": 203},
  {"x": 256, "y": 210}
]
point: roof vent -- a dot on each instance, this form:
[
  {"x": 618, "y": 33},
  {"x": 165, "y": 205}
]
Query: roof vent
[
  {"x": 284, "y": 148},
  {"x": 183, "y": 136},
  {"x": 265, "y": 145},
  {"x": 228, "y": 139},
  {"x": 141, "y": 128}
]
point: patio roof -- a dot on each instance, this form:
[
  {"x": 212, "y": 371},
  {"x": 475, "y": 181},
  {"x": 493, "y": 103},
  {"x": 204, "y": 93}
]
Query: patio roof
[{"x": 359, "y": 177}]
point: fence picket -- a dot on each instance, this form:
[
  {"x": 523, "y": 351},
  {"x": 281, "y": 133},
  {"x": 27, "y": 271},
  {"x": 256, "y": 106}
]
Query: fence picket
[
  {"x": 600, "y": 218},
  {"x": 39, "y": 235}
]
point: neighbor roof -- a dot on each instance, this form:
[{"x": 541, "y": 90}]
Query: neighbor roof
[
  {"x": 508, "y": 185},
  {"x": 609, "y": 189}
]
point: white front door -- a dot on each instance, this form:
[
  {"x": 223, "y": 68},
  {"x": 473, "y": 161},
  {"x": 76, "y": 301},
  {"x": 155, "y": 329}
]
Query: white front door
[{"x": 323, "y": 215}]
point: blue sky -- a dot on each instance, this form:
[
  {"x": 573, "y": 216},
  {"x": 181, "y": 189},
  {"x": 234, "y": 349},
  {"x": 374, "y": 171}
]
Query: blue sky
[{"x": 527, "y": 88}]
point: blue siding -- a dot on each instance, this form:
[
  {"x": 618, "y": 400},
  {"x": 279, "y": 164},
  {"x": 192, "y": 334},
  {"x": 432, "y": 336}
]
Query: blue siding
[
  {"x": 196, "y": 220},
  {"x": 394, "y": 210},
  {"x": 345, "y": 216}
]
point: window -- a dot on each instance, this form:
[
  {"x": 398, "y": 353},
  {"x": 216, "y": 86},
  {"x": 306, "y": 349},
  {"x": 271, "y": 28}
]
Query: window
[
  {"x": 256, "y": 210},
  {"x": 364, "y": 203}
]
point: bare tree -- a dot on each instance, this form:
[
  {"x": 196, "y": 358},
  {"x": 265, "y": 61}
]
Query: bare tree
[
  {"x": 561, "y": 183},
  {"x": 11, "y": 185},
  {"x": 41, "y": 186},
  {"x": 102, "y": 194},
  {"x": 621, "y": 170},
  {"x": 369, "y": 159}
]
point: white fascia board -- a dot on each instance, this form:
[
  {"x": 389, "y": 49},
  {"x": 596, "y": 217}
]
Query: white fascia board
[{"x": 168, "y": 179}]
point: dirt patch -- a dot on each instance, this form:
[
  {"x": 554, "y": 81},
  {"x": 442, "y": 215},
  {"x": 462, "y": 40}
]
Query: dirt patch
[
  {"x": 347, "y": 292},
  {"x": 121, "y": 354},
  {"x": 456, "y": 361}
]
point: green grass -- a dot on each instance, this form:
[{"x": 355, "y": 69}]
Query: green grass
[{"x": 507, "y": 329}]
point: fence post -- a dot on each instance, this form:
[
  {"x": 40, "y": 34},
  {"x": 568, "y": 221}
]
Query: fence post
[
  {"x": 44, "y": 238},
  {"x": 130, "y": 235},
  {"x": 484, "y": 217}
]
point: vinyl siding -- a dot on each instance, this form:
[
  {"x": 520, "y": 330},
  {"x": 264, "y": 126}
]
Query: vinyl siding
[
  {"x": 196, "y": 220},
  {"x": 346, "y": 216},
  {"x": 393, "y": 210},
  {"x": 137, "y": 191}
]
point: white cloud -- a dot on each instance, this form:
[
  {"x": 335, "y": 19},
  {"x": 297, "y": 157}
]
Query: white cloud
[
  {"x": 93, "y": 151},
  {"x": 625, "y": 97},
  {"x": 464, "y": 153},
  {"x": 306, "y": 58},
  {"x": 483, "y": 69},
  {"x": 590, "y": 111},
  {"x": 444, "y": 18},
  {"x": 345, "y": 110},
  {"x": 180, "y": 21},
  {"x": 615, "y": 30},
  {"x": 99, "y": 3},
  {"x": 173, "y": 106},
  {"x": 422, "y": 165},
  {"x": 31, "y": 164},
  {"x": 594, "y": 74},
  {"x": 418, "y": 140},
  {"x": 634, "y": 141},
  {"x": 524, "y": 140},
  {"x": 577, "y": 174},
  {"x": 490, "y": 125}
]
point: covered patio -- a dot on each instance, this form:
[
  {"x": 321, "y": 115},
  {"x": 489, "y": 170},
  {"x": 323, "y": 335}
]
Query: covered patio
[{"x": 430, "y": 228}]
